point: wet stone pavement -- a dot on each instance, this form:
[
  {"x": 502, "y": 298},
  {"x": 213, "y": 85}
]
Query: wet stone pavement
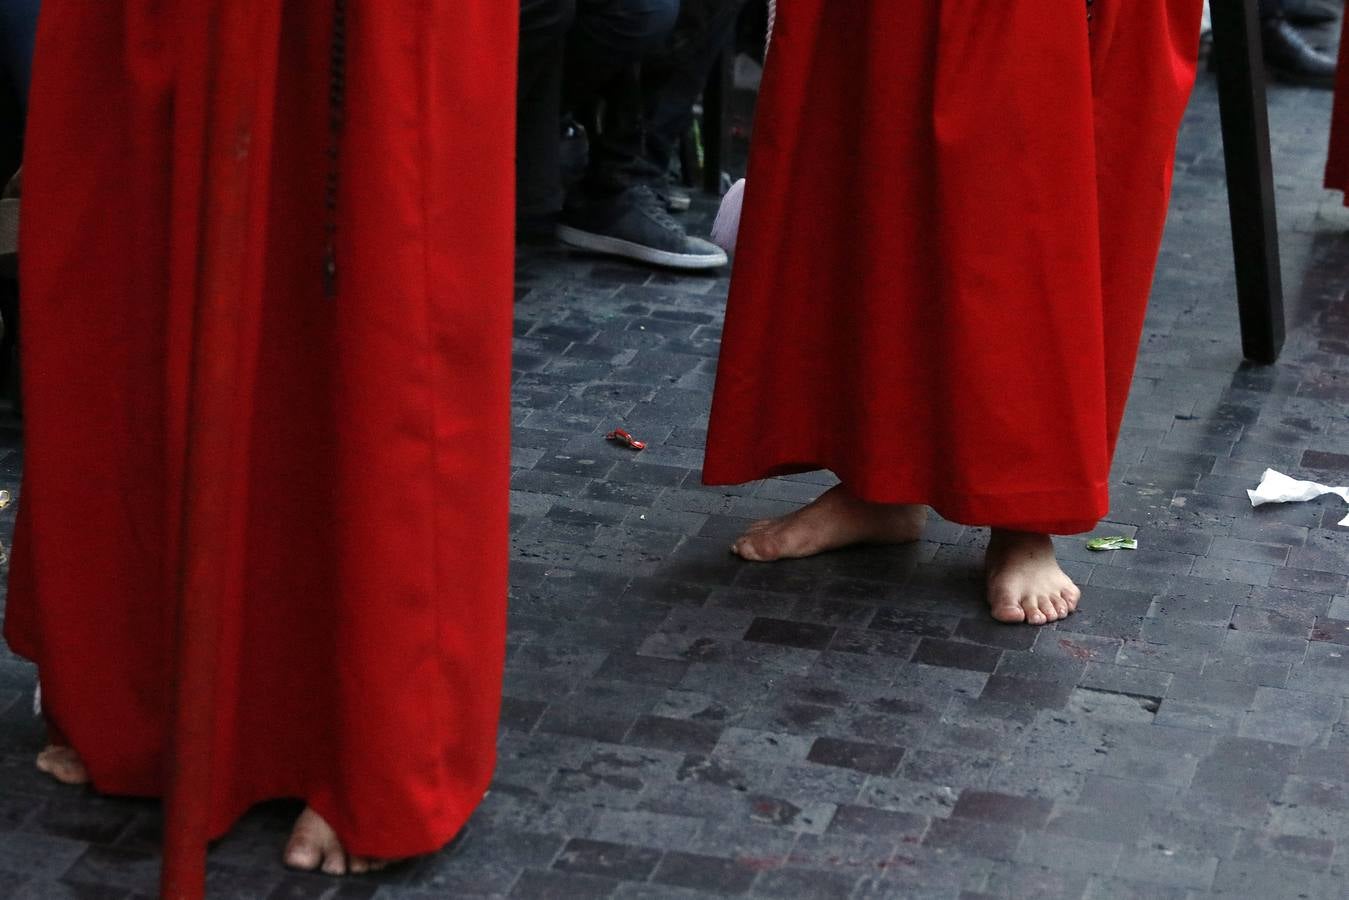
[{"x": 680, "y": 724}]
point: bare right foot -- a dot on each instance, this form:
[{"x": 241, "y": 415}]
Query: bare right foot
[
  {"x": 315, "y": 846},
  {"x": 63, "y": 764},
  {"x": 1025, "y": 581},
  {"x": 836, "y": 519}
]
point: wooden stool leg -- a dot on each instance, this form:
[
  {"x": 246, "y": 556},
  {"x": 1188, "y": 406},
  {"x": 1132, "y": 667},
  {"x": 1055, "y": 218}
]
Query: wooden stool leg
[{"x": 1250, "y": 176}]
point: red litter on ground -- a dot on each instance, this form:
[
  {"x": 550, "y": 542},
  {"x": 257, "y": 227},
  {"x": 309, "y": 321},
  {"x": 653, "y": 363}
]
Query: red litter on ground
[{"x": 627, "y": 440}]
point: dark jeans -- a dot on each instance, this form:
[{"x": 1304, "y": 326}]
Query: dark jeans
[
  {"x": 1270, "y": 8},
  {"x": 544, "y": 25},
  {"x": 673, "y": 79},
  {"x": 18, "y": 30},
  {"x": 586, "y": 53},
  {"x": 18, "y": 27}
]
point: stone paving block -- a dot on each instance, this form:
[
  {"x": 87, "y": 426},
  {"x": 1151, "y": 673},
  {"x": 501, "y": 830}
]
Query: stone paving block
[
  {"x": 132, "y": 869},
  {"x": 945, "y": 767},
  {"x": 537, "y": 885},
  {"x": 1242, "y": 878},
  {"x": 1167, "y": 868},
  {"x": 1122, "y": 889},
  {"x": 1288, "y": 849},
  {"x": 816, "y": 783},
  {"x": 995, "y": 807},
  {"x": 1111, "y": 706},
  {"x": 1266, "y": 621},
  {"x": 874, "y": 759},
  {"x": 607, "y": 859},
  {"x": 705, "y": 873},
  {"x": 957, "y": 655},
  {"x": 43, "y": 856},
  {"x": 1097, "y": 826},
  {"x": 997, "y": 842},
  {"x": 796, "y": 882}
]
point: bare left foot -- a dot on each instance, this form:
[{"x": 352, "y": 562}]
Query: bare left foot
[
  {"x": 1025, "y": 581},
  {"x": 314, "y": 846},
  {"x": 834, "y": 520},
  {"x": 63, "y": 764}
]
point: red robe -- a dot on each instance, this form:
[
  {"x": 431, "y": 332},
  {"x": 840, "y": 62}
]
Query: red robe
[
  {"x": 1337, "y": 161},
  {"x": 952, "y": 220},
  {"x": 362, "y": 644}
]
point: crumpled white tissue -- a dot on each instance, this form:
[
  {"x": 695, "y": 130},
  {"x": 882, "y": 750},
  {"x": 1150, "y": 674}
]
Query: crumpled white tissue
[{"x": 1276, "y": 487}]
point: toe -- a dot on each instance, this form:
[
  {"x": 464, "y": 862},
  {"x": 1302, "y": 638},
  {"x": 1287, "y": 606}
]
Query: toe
[
  {"x": 1071, "y": 597},
  {"x": 1060, "y": 605},
  {"x": 762, "y": 547},
  {"x": 1033, "y": 613},
  {"x": 303, "y": 854},
  {"x": 1053, "y": 607},
  {"x": 359, "y": 866},
  {"x": 1005, "y": 608},
  {"x": 335, "y": 861},
  {"x": 745, "y": 549}
]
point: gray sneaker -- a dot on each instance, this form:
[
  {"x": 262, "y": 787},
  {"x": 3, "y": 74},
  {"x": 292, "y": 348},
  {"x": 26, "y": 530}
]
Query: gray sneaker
[
  {"x": 673, "y": 195},
  {"x": 635, "y": 225}
]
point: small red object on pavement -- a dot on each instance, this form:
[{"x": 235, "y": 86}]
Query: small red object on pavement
[{"x": 627, "y": 440}]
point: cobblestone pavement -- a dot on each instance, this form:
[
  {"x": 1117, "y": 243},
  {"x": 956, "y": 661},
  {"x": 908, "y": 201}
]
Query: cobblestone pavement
[{"x": 680, "y": 724}]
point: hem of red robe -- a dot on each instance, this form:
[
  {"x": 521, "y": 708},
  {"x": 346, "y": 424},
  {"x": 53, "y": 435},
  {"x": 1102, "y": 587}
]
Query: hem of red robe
[
  {"x": 1075, "y": 510},
  {"x": 430, "y": 837},
  {"x": 1339, "y": 182}
]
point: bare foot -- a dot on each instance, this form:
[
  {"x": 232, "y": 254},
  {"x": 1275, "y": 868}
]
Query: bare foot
[
  {"x": 63, "y": 764},
  {"x": 314, "y": 846},
  {"x": 1025, "y": 582},
  {"x": 836, "y": 519}
]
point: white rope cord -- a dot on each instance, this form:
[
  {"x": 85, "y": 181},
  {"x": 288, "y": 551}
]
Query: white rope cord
[{"x": 772, "y": 18}]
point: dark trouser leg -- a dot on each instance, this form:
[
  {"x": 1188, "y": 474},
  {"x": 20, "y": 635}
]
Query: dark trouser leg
[
  {"x": 673, "y": 79},
  {"x": 18, "y": 29},
  {"x": 1270, "y": 8},
  {"x": 543, "y": 37},
  {"x": 610, "y": 38}
]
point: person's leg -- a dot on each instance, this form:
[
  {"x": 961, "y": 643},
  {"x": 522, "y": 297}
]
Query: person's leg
[
  {"x": 603, "y": 85},
  {"x": 673, "y": 79},
  {"x": 18, "y": 31},
  {"x": 543, "y": 37},
  {"x": 615, "y": 210},
  {"x": 609, "y": 37},
  {"x": 1288, "y": 54}
]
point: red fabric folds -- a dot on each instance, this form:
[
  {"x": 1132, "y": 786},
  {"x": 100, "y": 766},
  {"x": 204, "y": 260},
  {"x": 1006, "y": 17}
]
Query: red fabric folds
[
  {"x": 1337, "y": 161},
  {"x": 361, "y": 657},
  {"x": 949, "y": 236}
]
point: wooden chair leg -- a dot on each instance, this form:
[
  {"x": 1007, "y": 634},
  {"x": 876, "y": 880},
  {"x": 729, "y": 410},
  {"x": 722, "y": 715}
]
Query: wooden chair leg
[{"x": 1240, "y": 69}]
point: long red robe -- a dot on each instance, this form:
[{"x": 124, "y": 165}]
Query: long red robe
[
  {"x": 1337, "y": 161},
  {"x": 361, "y": 653},
  {"x": 953, "y": 214}
]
